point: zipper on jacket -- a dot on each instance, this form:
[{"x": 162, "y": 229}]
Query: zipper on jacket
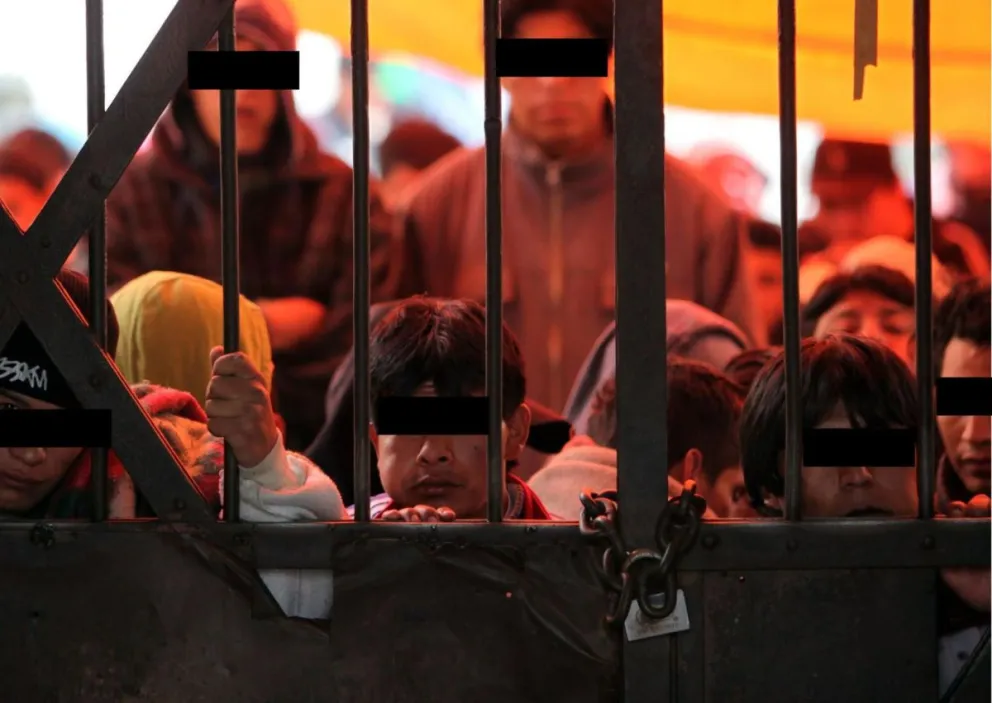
[{"x": 556, "y": 284}]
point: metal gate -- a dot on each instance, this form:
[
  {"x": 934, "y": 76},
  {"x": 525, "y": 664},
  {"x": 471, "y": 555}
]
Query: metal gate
[{"x": 170, "y": 610}]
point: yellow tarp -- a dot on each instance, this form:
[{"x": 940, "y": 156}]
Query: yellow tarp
[{"x": 721, "y": 55}]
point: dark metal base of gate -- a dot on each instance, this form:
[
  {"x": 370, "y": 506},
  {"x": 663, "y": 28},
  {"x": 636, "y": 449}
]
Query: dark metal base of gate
[{"x": 165, "y": 618}]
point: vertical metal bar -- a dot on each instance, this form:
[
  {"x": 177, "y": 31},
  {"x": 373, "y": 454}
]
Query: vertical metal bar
[
  {"x": 230, "y": 236},
  {"x": 96, "y": 103},
  {"x": 494, "y": 266},
  {"x": 923, "y": 223},
  {"x": 790, "y": 256},
  {"x": 360, "y": 202},
  {"x": 641, "y": 315}
]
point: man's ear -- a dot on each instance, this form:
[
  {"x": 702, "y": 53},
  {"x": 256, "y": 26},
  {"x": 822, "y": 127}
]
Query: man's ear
[
  {"x": 374, "y": 438},
  {"x": 911, "y": 351},
  {"x": 517, "y": 430},
  {"x": 692, "y": 466}
]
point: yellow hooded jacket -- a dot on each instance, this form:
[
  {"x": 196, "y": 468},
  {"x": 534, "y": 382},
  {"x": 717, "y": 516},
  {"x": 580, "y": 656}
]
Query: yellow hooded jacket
[{"x": 169, "y": 322}]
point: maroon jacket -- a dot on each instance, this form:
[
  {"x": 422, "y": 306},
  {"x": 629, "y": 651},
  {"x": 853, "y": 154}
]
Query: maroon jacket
[
  {"x": 559, "y": 250},
  {"x": 296, "y": 237}
]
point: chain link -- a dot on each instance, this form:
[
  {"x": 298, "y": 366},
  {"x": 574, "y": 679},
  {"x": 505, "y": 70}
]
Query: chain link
[{"x": 639, "y": 574}]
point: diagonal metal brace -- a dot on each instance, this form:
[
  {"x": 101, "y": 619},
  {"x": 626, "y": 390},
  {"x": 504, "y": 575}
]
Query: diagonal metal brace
[
  {"x": 50, "y": 314},
  {"x": 77, "y": 201},
  {"x": 31, "y": 261}
]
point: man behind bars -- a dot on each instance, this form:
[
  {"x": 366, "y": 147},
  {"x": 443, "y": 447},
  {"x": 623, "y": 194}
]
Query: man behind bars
[
  {"x": 856, "y": 382},
  {"x": 558, "y": 213},
  {"x": 428, "y": 347},
  {"x": 962, "y": 339},
  {"x": 296, "y": 220}
]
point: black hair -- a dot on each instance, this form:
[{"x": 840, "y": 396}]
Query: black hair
[
  {"x": 415, "y": 143},
  {"x": 744, "y": 367},
  {"x": 886, "y": 282},
  {"x": 596, "y": 15},
  {"x": 964, "y": 314},
  {"x": 443, "y": 342},
  {"x": 875, "y": 387},
  {"x": 704, "y": 407}
]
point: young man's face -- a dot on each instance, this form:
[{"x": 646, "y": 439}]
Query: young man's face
[
  {"x": 556, "y": 113},
  {"x": 256, "y": 112},
  {"x": 967, "y": 439},
  {"x": 444, "y": 471},
  {"x": 860, "y": 491},
  {"x": 870, "y": 315},
  {"x": 28, "y": 475},
  {"x": 22, "y": 200},
  {"x": 726, "y": 496}
]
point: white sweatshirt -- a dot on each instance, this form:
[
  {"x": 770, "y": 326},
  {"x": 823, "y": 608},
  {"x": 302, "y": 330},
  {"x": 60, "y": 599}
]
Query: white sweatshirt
[{"x": 288, "y": 487}]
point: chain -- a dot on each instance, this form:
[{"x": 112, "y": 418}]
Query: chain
[{"x": 636, "y": 574}]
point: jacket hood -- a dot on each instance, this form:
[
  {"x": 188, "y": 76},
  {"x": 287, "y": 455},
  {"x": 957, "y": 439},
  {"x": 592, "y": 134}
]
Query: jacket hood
[{"x": 169, "y": 323}]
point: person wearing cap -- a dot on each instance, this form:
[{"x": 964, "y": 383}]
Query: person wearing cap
[
  {"x": 410, "y": 147},
  {"x": 275, "y": 485},
  {"x": 860, "y": 196},
  {"x": 295, "y": 221},
  {"x": 558, "y": 204},
  {"x": 434, "y": 347},
  {"x": 31, "y": 164}
]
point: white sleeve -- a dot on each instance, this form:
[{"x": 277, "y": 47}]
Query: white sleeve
[{"x": 288, "y": 487}]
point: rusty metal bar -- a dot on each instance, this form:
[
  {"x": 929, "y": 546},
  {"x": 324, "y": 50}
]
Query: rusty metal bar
[
  {"x": 923, "y": 227},
  {"x": 360, "y": 203},
  {"x": 230, "y": 245},
  {"x": 724, "y": 545},
  {"x": 78, "y": 199},
  {"x": 790, "y": 256},
  {"x": 642, "y": 393},
  {"x": 96, "y": 104},
  {"x": 494, "y": 266}
]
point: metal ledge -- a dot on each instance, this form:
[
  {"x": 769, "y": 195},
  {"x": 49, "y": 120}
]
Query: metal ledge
[{"x": 722, "y": 546}]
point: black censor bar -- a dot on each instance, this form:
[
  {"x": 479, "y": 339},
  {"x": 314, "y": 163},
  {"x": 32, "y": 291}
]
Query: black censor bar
[
  {"x": 88, "y": 429},
  {"x": 243, "y": 70},
  {"x": 964, "y": 397},
  {"x": 828, "y": 447},
  {"x": 552, "y": 58},
  {"x": 432, "y": 415}
]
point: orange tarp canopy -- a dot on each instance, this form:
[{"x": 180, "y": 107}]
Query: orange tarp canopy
[{"x": 720, "y": 55}]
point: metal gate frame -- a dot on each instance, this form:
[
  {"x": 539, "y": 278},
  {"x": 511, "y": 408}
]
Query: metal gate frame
[{"x": 30, "y": 261}]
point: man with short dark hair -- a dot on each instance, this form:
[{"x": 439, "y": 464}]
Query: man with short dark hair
[
  {"x": 704, "y": 407},
  {"x": 407, "y": 151},
  {"x": 428, "y": 347},
  {"x": 850, "y": 382},
  {"x": 558, "y": 188},
  {"x": 962, "y": 339},
  {"x": 873, "y": 301}
]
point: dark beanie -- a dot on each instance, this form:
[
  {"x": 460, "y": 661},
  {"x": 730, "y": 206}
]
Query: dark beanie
[
  {"x": 34, "y": 157},
  {"x": 24, "y": 365},
  {"x": 416, "y": 143}
]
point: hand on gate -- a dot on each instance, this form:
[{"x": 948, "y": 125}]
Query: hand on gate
[
  {"x": 971, "y": 584},
  {"x": 239, "y": 409},
  {"x": 419, "y": 513}
]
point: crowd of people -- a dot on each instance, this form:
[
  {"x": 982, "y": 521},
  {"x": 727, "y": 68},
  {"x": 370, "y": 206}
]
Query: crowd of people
[{"x": 284, "y": 402}]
